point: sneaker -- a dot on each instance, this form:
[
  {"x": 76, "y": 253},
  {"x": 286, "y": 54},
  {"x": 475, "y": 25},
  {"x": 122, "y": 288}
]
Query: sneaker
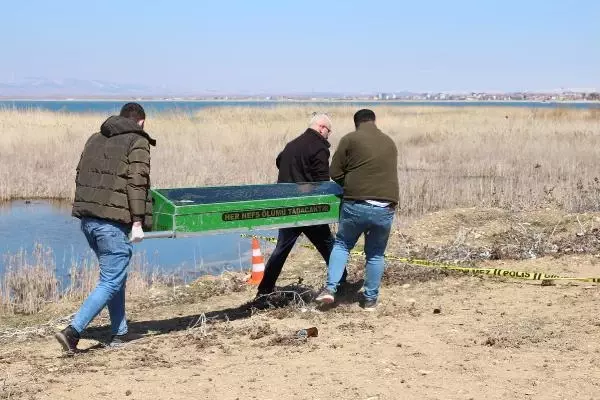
[
  {"x": 122, "y": 340},
  {"x": 369, "y": 305},
  {"x": 68, "y": 339},
  {"x": 326, "y": 296}
]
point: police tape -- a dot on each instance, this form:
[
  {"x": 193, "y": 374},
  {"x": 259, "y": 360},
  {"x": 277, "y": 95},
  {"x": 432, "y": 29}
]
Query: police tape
[{"x": 497, "y": 272}]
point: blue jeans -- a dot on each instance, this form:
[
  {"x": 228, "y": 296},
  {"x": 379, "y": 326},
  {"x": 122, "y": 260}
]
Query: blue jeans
[
  {"x": 375, "y": 222},
  {"x": 110, "y": 243}
]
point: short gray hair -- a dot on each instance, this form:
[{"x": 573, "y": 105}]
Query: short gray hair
[{"x": 319, "y": 117}]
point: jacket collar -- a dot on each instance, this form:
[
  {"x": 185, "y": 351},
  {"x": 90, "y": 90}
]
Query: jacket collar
[
  {"x": 367, "y": 126},
  {"x": 311, "y": 131}
]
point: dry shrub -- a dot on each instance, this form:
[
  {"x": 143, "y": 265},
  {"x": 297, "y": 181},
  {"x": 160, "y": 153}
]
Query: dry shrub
[
  {"x": 210, "y": 286},
  {"x": 29, "y": 282}
]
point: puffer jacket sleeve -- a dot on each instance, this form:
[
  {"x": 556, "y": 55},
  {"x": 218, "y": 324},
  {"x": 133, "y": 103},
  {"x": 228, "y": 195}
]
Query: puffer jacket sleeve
[
  {"x": 138, "y": 178},
  {"x": 81, "y": 158}
]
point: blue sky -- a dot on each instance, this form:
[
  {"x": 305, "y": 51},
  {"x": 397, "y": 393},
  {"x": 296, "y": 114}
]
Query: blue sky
[{"x": 280, "y": 46}]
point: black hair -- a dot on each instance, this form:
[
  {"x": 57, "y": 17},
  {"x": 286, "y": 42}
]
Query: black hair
[
  {"x": 133, "y": 111},
  {"x": 363, "y": 115}
]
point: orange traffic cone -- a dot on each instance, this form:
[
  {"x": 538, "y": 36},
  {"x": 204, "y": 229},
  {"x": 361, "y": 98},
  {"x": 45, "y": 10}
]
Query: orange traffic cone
[{"x": 258, "y": 264}]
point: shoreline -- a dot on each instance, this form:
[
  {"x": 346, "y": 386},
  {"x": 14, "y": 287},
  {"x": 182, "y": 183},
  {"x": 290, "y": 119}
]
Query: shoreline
[{"x": 290, "y": 101}]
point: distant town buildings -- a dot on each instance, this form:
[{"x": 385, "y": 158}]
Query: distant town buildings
[
  {"x": 474, "y": 96},
  {"x": 441, "y": 96}
]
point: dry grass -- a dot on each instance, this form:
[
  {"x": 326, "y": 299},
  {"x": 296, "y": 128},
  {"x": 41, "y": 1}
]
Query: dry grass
[
  {"x": 449, "y": 157},
  {"x": 516, "y": 159},
  {"x": 30, "y": 280}
]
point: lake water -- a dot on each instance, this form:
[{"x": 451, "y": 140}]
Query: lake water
[
  {"x": 25, "y": 224},
  {"x": 111, "y": 107}
]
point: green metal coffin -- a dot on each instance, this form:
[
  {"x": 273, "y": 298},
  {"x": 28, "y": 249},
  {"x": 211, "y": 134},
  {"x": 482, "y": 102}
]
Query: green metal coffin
[{"x": 184, "y": 211}]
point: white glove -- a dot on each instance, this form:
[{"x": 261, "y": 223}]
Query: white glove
[{"x": 137, "y": 233}]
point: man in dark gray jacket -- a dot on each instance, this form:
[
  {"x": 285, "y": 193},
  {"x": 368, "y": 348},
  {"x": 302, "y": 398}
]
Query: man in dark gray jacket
[
  {"x": 112, "y": 199},
  {"x": 304, "y": 159}
]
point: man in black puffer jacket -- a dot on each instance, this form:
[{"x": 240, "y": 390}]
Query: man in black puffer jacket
[
  {"x": 304, "y": 159},
  {"x": 112, "y": 199}
]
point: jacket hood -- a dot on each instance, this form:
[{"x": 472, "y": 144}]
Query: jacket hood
[{"x": 117, "y": 125}]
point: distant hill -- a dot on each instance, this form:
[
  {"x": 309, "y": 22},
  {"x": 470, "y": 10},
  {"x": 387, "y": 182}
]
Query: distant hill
[{"x": 43, "y": 87}]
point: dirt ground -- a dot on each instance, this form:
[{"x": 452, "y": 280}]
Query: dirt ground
[{"x": 435, "y": 335}]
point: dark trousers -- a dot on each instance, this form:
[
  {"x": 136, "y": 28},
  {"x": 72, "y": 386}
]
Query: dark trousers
[{"x": 319, "y": 235}]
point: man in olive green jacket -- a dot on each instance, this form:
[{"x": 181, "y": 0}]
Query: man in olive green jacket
[
  {"x": 112, "y": 199},
  {"x": 366, "y": 165}
]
